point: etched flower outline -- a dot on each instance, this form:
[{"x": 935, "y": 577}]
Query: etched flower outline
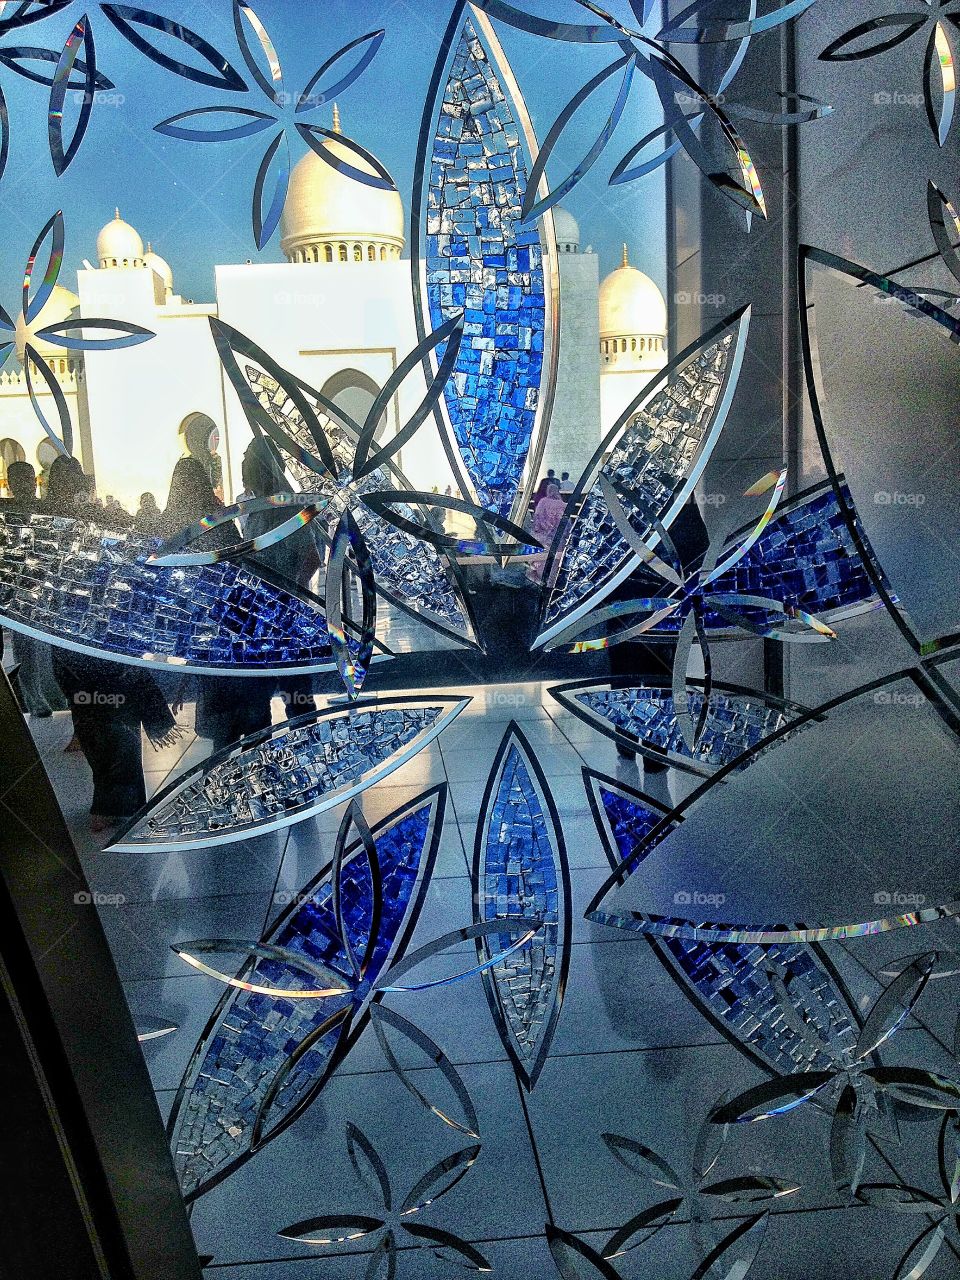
[
  {"x": 67, "y": 334},
  {"x": 393, "y": 1219},
  {"x": 693, "y": 601},
  {"x": 336, "y": 74},
  {"x": 71, "y": 73},
  {"x": 731, "y": 1259},
  {"x": 857, "y": 1090},
  {"x": 735, "y": 176},
  {"x": 690, "y": 1192},
  {"x": 352, "y": 474},
  {"x": 878, "y": 35},
  {"x": 943, "y": 1208}
]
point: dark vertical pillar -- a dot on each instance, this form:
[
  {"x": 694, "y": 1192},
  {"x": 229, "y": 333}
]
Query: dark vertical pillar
[
  {"x": 88, "y": 1185},
  {"x": 717, "y": 266}
]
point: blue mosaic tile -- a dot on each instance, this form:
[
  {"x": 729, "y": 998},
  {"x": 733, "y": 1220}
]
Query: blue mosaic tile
[{"x": 481, "y": 261}]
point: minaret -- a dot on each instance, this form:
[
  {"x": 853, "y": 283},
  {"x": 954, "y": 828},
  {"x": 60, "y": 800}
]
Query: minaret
[
  {"x": 336, "y": 119},
  {"x": 626, "y": 259}
]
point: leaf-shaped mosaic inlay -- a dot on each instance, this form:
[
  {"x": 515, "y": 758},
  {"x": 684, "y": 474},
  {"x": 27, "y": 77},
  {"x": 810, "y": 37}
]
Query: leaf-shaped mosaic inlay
[
  {"x": 654, "y": 455},
  {"x": 642, "y": 718},
  {"x": 287, "y": 773},
  {"x": 625, "y": 819},
  {"x": 75, "y": 584},
  {"x": 262, "y": 1059},
  {"x": 408, "y": 572},
  {"x": 520, "y": 872},
  {"x": 480, "y": 259}
]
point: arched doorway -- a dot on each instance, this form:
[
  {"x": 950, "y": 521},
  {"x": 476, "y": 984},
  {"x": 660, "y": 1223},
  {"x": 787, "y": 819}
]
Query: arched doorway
[
  {"x": 354, "y": 392},
  {"x": 10, "y": 451},
  {"x": 201, "y": 440}
]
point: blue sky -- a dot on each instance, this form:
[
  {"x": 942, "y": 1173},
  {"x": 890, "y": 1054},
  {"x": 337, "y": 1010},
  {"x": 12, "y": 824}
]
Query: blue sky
[{"x": 193, "y": 201}]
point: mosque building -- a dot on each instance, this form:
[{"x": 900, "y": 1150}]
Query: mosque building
[{"x": 338, "y": 313}]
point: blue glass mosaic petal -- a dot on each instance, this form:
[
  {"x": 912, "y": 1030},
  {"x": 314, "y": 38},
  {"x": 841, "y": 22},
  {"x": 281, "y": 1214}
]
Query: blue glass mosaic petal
[
  {"x": 76, "y": 584},
  {"x": 250, "y": 1037},
  {"x": 520, "y": 871},
  {"x": 730, "y": 982},
  {"x": 650, "y": 459},
  {"x": 805, "y": 559},
  {"x": 288, "y": 773},
  {"x": 481, "y": 261},
  {"x": 628, "y": 822},
  {"x": 736, "y": 723},
  {"x": 407, "y": 569}
]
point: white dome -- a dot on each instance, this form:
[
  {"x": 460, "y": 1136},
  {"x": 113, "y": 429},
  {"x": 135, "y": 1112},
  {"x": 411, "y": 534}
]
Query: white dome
[
  {"x": 161, "y": 267},
  {"x": 327, "y": 208},
  {"x": 61, "y": 305},
  {"x": 631, "y": 304},
  {"x": 567, "y": 230},
  {"x": 119, "y": 245}
]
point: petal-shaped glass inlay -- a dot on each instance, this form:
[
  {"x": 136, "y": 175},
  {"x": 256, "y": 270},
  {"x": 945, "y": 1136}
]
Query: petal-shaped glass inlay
[
  {"x": 520, "y": 872},
  {"x": 730, "y": 983},
  {"x": 408, "y": 572},
  {"x": 262, "y": 1059},
  {"x": 625, "y": 819},
  {"x": 655, "y": 454},
  {"x": 131, "y": 21},
  {"x": 480, "y": 258},
  {"x": 806, "y": 558},
  {"x": 902, "y": 481},
  {"x": 76, "y": 584},
  {"x": 642, "y": 718},
  {"x": 287, "y": 773},
  {"x": 80, "y": 36}
]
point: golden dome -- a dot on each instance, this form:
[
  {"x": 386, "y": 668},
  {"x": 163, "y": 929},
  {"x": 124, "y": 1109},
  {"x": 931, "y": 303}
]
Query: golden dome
[
  {"x": 630, "y": 304},
  {"x": 119, "y": 245},
  {"x": 327, "y": 208},
  {"x": 161, "y": 267},
  {"x": 61, "y": 305}
]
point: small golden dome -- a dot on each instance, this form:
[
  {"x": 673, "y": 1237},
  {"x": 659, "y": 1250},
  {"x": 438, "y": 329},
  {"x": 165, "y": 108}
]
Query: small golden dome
[
  {"x": 630, "y": 304},
  {"x": 161, "y": 267},
  {"x": 119, "y": 245},
  {"x": 566, "y": 229},
  {"x": 325, "y": 207}
]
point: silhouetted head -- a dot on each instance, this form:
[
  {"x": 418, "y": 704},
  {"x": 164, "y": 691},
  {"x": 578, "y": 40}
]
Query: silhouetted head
[
  {"x": 66, "y": 482},
  {"x": 262, "y": 469},
  {"x": 22, "y": 480}
]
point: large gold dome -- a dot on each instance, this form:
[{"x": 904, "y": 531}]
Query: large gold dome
[
  {"x": 328, "y": 216},
  {"x": 631, "y": 304}
]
